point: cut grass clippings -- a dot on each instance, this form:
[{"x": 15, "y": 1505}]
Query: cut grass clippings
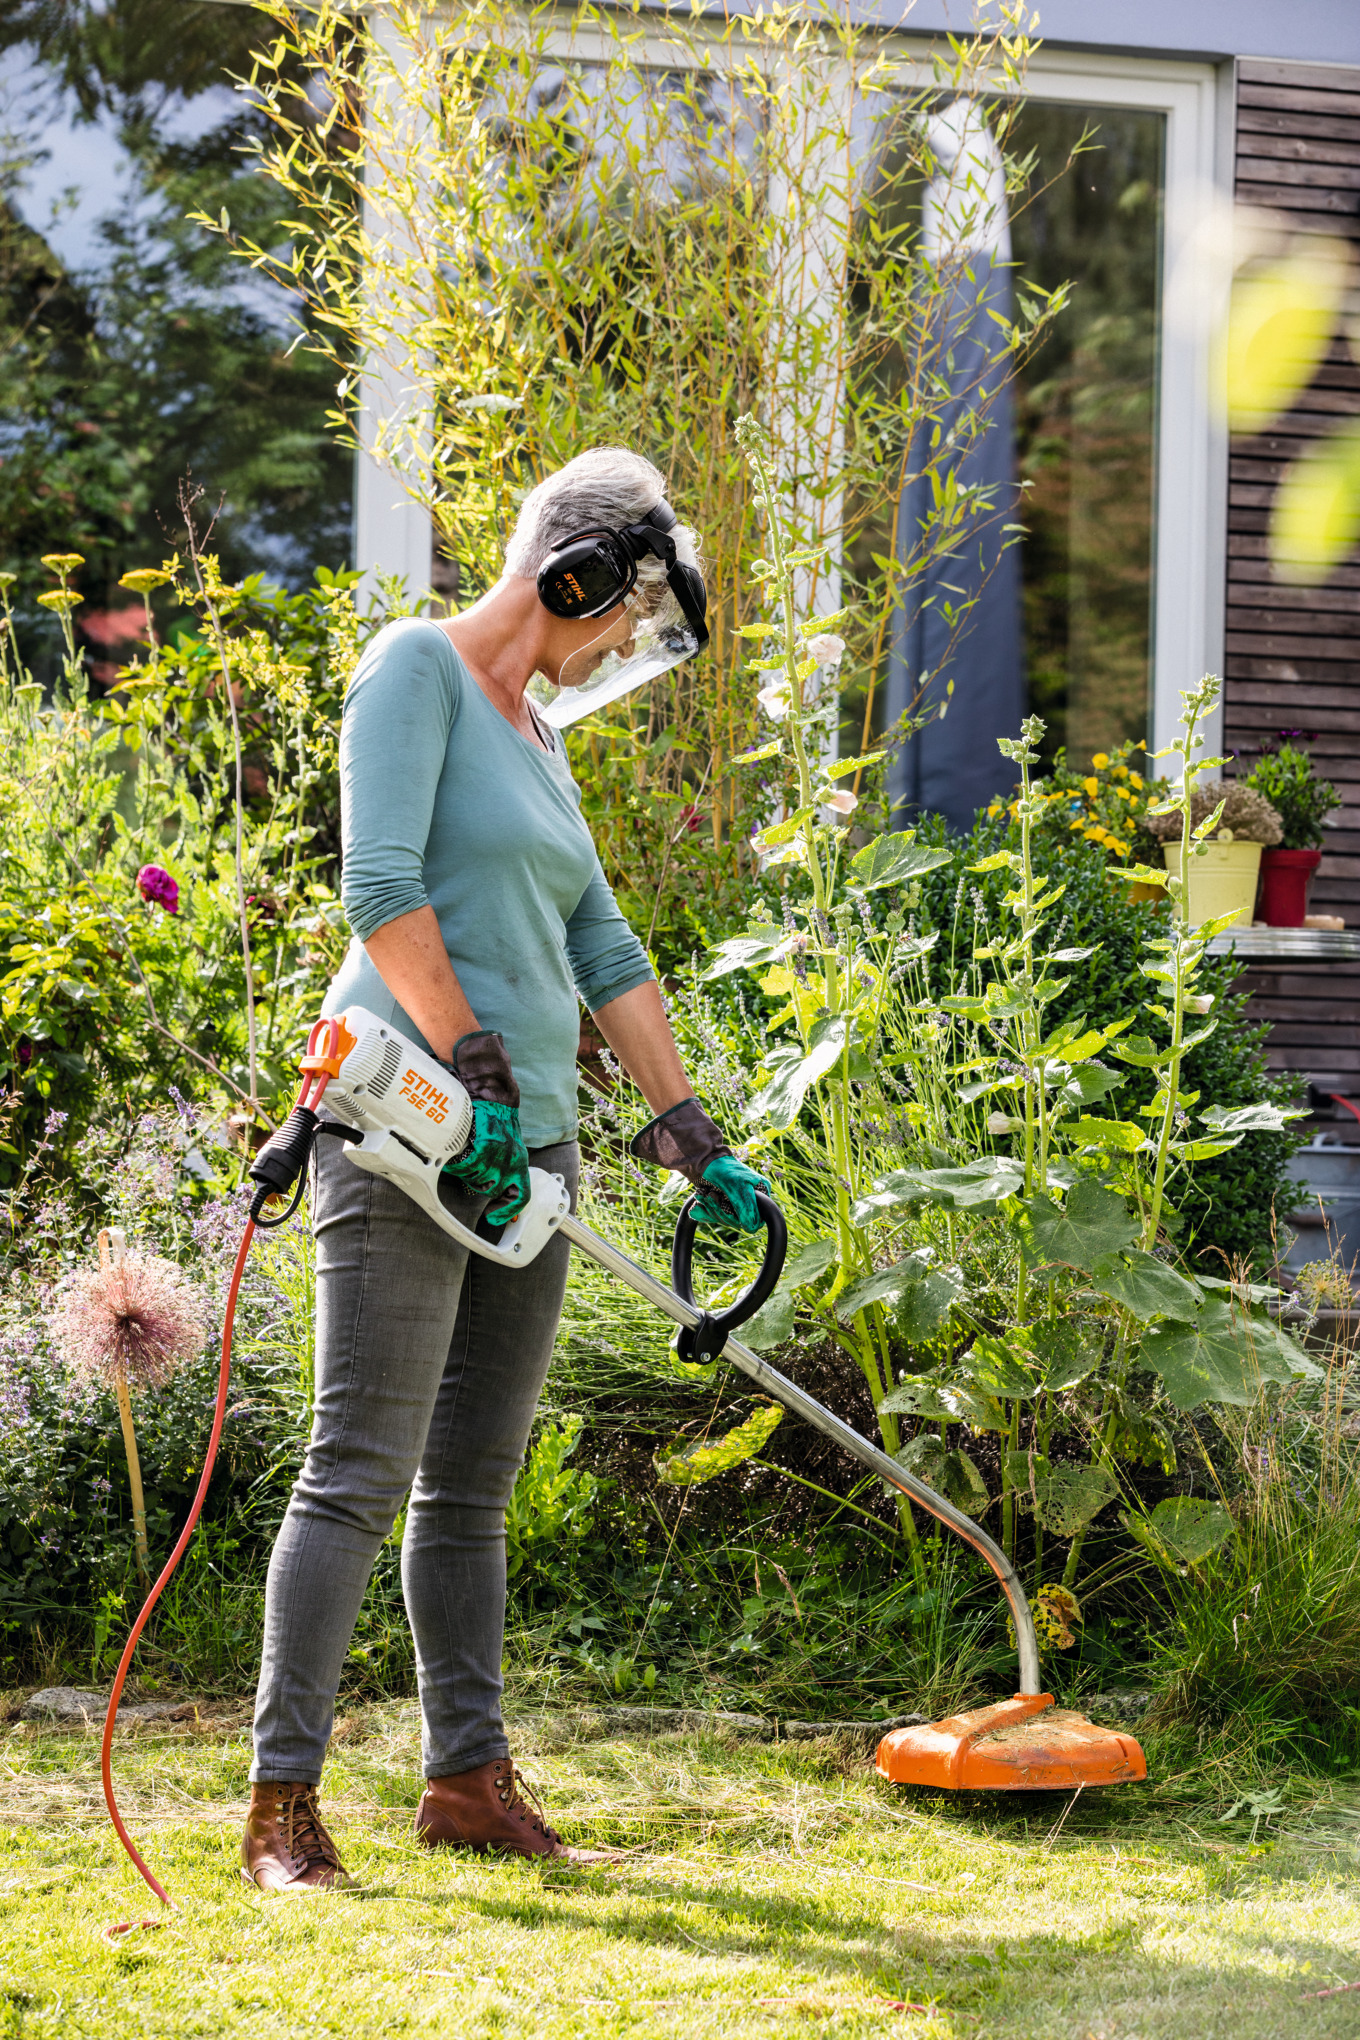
[{"x": 765, "y": 1887}]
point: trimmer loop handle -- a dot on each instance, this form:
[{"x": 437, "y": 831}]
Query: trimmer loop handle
[{"x": 706, "y": 1340}]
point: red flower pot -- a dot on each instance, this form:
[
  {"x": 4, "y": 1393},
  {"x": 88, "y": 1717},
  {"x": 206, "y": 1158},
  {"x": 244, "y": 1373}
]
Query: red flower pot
[{"x": 1286, "y": 881}]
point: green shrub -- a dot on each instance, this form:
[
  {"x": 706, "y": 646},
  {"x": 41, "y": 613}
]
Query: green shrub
[{"x": 1225, "y": 1212}]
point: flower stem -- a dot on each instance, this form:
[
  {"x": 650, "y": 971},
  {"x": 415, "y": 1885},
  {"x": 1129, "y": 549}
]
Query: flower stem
[{"x": 134, "y": 1480}]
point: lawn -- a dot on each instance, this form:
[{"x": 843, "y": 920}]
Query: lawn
[{"x": 767, "y": 1886}]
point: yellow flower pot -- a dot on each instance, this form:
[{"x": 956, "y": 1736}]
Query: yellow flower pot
[{"x": 1222, "y": 881}]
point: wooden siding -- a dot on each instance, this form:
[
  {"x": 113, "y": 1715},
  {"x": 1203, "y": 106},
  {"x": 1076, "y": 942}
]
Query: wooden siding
[{"x": 1292, "y": 655}]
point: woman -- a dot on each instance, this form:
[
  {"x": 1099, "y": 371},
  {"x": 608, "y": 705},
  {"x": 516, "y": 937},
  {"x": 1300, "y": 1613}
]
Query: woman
[{"x": 479, "y": 914}]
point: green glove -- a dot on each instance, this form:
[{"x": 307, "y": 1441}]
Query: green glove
[
  {"x": 495, "y": 1162},
  {"x": 734, "y": 1201}
]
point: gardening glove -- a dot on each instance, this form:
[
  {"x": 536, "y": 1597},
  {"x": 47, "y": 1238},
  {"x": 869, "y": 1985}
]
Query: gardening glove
[
  {"x": 686, "y": 1139},
  {"x": 495, "y": 1162}
]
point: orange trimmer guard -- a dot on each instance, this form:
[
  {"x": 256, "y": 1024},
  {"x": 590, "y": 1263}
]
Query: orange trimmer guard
[{"x": 1021, "y": 1745}]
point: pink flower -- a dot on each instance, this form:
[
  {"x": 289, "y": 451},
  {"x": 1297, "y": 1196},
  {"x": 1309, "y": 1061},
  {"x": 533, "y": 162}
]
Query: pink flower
[
  {"x": 156, "y": 885},
  {"x": 137, "y": 1320},
  {"x": 843, "y": 802}
]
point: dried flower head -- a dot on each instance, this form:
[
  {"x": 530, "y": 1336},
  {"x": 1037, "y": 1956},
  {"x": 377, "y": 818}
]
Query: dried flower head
[
  {"x": 137, "y": 1319},
  {"x": 1247, "y": 817},
  {"x": 156, "y": 885}
]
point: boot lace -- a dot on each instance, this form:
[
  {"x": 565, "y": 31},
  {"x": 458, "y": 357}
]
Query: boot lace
[
  {"x": 305, "y": 1834},
  {"x": 517, "y": 1795}
]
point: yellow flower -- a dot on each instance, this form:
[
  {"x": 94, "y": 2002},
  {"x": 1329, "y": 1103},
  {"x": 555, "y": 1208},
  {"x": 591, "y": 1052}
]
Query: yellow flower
[
  {"x": 1100, "y": 761},
  {"x": 1096, "y": 835},
  {"x": 994, "y": 809},
  {"x": 1123, "y": 793},
  {"x": 1135, "y": 780},
  {"x": 1074, "y": 825},
  {"x": 1121, "y": 771},
  {"x": 1092, "y": 787}
]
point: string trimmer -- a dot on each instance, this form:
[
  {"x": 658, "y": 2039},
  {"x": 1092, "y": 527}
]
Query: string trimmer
[{"x": 403, "y": 1116}]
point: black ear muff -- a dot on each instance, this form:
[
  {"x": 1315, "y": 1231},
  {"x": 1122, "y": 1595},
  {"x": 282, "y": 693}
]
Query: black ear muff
[{"x": 587, "y": 576}]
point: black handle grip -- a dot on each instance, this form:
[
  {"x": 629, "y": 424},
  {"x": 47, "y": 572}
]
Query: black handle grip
[{"x": 706, "y": 1340}]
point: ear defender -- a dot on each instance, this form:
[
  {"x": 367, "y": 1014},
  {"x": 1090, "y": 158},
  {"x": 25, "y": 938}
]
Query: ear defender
[{"x": 596, "y": 570}]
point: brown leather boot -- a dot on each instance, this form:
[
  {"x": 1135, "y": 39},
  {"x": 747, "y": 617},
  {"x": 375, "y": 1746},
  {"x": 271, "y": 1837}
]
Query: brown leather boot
[
  {"x": 286, "y": 1847},
  {"x": 485, "y": 1810}
]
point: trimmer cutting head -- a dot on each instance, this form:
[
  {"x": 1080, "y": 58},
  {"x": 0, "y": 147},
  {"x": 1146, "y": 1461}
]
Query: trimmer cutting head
[{"x": 1021, "y": 1745}]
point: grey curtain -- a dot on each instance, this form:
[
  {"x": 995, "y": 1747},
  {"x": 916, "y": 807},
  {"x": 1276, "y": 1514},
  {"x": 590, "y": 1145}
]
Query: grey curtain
[{"x": 952, "y": 766}]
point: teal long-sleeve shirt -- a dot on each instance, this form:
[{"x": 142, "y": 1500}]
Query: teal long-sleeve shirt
[{"x": 444, "y": 803}]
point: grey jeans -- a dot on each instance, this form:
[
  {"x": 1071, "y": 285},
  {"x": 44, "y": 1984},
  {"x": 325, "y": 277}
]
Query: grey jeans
[{"x": 429, "y": 1365}]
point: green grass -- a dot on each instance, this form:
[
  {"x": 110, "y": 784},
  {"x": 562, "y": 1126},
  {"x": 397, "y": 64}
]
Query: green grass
[{"x": 768, "y": 1888}]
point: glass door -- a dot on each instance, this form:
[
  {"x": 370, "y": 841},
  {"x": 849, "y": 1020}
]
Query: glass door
[{"x": 1086, "y": 422}]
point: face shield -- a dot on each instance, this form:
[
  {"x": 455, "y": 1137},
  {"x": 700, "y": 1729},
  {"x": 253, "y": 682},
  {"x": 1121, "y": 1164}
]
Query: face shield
[
  {"x": 659, "y": 626},
  {"x": 647, "y": 640}
]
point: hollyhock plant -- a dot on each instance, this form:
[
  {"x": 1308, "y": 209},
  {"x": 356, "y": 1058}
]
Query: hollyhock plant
[
  {"x": 157, "y": 887},
  {"x": 133, "y": 1320}
]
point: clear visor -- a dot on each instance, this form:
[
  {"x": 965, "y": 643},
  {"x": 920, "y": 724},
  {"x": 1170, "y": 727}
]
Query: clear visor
[{"x": 649, "y": 638}]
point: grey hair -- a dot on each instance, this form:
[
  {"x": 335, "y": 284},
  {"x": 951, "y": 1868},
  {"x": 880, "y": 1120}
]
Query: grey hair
[{"x": 601, "y": 490}]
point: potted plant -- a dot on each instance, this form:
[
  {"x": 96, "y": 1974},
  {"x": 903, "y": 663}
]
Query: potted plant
[
  {"x": 1226, "y": 866},
  {"x": 1284, "y": 776}
]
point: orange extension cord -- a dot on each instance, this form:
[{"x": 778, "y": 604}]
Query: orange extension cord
[{"x": 315, "y": 1078}]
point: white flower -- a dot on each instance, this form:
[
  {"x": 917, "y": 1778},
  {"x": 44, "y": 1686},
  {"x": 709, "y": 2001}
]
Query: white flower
[
  {"x": 775, "y": 702},
  {"x": 827, "y": 650},
  {"x": 843, "y": 802},
  {"x": 491, "y": 402}
]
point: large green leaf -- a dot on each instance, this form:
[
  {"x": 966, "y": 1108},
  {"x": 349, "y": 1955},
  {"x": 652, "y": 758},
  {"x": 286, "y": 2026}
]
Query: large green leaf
[
  {"x": 945, "y": 1403},
  {"x": 746, "y": 952},
  {"x": 1146, "y": 1286},
  {"x": 782, "y": 832},
  {"x": 1140, "y": 1049},
  {"x": 923, "y": 1306},
  {"x": 1250, "y": 1118},
  {"x": 974, "y": 1186},
  {"x": 1185, "y": 1528},
  {"x": 1191, "y": 1527},
  {"x": 772, "y": 1324},
  {"x": 1065, "y": 1354},
  {"x": 884, "y": 1286},
  {"x": 951, "y": 1472},
  {"x": 1092, "y": 1224},
  {"x": 1089, "y": 1083},
  {"x": 808, "y": 1263},
  {"x": 1222, "y": 1355},
  {"x": 1002, "y": 1367},
  {"x": 1064, "y": 1498},
  {"x": 687, "y": 1464},
  {"x": 792, "y": 1074},
  {"x": 1136, "y": 1434},
  {"x": 1121, "y": 1134},
  {"x": 894, "y": 860}
]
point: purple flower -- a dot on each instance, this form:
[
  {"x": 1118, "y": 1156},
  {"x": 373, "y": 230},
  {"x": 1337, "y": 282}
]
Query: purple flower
[{"x": 156, "y": 885}]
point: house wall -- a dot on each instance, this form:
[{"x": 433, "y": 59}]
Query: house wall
[{"x": 1292, "y": 655}]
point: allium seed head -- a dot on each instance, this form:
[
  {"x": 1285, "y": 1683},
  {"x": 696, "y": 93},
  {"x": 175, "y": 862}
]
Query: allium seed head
[{"x": 137, "y": 1319}]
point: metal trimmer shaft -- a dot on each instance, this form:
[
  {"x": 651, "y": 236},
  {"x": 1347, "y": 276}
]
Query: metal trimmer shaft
[{"x": 821, "y": 1419}]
